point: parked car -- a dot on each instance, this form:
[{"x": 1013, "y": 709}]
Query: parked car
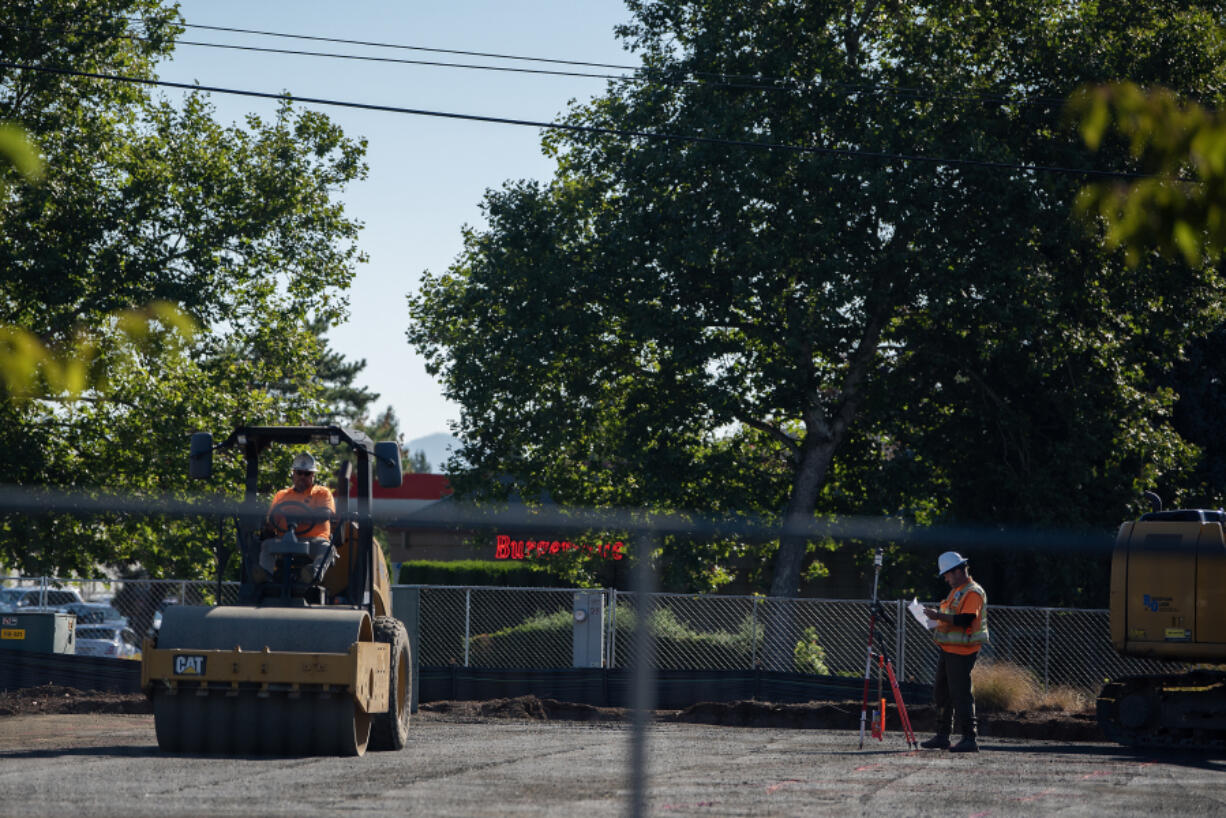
[
  {"x": 31, "y": 599},
  {"x": 96, "y": 613},
  {"x": 115, "y": 641}
]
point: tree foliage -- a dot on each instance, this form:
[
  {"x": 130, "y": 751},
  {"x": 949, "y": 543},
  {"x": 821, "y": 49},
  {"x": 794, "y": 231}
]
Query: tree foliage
[
  {"x": 146, "y": 201},
  {"x": 1179, "y": 147},
  {"x": 1177, "y": 208},
  {"x": 694, "y": 325}
]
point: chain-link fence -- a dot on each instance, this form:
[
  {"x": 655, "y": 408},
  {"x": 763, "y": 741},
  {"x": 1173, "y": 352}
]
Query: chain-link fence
[{"x": 536, "y": 628}]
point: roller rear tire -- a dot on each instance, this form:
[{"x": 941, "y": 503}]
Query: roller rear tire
[{"x": 390, "y": 730}]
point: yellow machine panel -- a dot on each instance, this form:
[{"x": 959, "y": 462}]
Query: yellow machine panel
[{"x": 1168, "y": 590}]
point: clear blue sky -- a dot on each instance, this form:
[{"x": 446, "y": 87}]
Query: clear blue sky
[{"x": 427, "y": 175}]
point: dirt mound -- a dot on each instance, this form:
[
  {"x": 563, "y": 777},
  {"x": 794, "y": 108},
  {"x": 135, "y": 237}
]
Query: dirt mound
[
  {"x": 1053, "y": 725},
  {"x": 524, "y": 707},
  {"x": 59, "y": 699}
]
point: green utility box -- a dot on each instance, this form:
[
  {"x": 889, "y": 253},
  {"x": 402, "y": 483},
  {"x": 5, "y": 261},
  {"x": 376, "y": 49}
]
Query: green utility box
[{"x": 38, "y": 632}]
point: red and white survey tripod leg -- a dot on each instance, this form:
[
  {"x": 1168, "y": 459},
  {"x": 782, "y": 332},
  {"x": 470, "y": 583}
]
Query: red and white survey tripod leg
[{"x": 883, "y": 662}]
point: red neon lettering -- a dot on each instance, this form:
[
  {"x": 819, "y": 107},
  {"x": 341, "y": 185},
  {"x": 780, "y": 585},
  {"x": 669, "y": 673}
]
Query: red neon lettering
[{"x": 507, "y": 548}]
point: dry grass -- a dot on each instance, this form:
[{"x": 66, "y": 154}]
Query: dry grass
[
  {"x": 1066, "y": 700},
  {"x": 1001, "y": 686}
]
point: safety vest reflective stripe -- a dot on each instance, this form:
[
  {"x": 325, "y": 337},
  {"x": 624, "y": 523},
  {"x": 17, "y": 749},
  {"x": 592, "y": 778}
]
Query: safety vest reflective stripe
[{"x": 977, "y": 633}]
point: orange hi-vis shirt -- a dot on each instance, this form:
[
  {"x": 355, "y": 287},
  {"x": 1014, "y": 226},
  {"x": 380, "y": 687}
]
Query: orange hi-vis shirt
[
  {"x": 967, "y": 598},
  {"x": 318, "y": 499}
]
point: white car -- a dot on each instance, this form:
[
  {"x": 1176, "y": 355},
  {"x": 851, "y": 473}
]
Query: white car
[
  {"x": 115, "y": 641},
  {"x": 15, "y": 600}
]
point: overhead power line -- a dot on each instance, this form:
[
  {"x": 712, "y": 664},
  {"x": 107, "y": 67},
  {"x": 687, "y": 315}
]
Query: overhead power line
[
  {"x": 375, "y": 44},
  {"x": 590, "y": 129},
  {"x": 406, "y": 61},
  {"x": 639, "y": 73}
]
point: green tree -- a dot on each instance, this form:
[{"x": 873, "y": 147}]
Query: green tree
[
  {"x": 1177, "y": 208},
  {"x": 146, "y": 201},
  {"x": 342, "y": 401},
  {"x": 666, "y": 319}
]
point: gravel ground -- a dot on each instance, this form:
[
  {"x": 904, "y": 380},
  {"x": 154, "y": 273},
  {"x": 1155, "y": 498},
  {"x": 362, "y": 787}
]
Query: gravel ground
[{"x": 491, "y": 760}]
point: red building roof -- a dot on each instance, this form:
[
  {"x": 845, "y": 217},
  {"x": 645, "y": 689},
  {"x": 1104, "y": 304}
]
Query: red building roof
[{"x": 415, "y": 487}]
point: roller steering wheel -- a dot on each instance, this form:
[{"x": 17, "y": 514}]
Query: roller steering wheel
[{"x": 294, "y": 514}]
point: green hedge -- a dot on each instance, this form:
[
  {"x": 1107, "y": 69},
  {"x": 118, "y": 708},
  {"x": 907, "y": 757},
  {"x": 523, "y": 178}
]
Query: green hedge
[
  {"x": 544, "y": 640},
  {"x": 480, "y": 572}
]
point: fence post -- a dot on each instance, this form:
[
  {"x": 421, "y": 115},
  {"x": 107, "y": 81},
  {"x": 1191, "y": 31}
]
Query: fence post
[
  {"x": 612, "y": 628},
  {"x": 182, "y": 592},
  {"x": 900, "y": 639},
  {"x": 1046, "y": 644},
  {"x": 468, "y": 602},
  {"x": 753, "y": 636}
]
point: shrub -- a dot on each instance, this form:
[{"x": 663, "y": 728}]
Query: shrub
[
  {"x": 541, "y": 640},
  {"x": 678, "y": 644},
  {"x": 544, "y": 640},
  {"x": 479, "y": 572},
  {"x": 809, "y": 656}
]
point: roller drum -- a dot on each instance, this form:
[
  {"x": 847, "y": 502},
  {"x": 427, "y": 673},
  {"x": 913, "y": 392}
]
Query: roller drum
[
  {"x": 299, "y": 630},
  {"x": 247, "y": 721}
]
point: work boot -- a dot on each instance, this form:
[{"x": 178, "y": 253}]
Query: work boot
[
  {"x": 937, "y": 742},
  {"x": 966, "y": 745}
]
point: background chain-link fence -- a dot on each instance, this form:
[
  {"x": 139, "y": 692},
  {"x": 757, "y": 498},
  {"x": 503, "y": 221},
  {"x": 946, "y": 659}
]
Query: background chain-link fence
[{"x": 535, "y": 628}]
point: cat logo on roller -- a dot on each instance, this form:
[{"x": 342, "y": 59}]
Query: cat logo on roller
[{"x": 189, "y": 665}]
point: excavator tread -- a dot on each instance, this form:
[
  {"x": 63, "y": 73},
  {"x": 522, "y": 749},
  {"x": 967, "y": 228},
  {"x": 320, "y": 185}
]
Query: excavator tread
[{"x": 1153, "y": 712}]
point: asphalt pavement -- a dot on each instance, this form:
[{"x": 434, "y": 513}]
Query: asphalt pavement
[{"x": 109, "y": 765}]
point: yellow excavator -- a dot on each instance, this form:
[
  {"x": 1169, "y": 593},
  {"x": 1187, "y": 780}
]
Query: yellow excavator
[
  {"x": 310, "y": 661},
  {"x": 1168, "y": 601}
]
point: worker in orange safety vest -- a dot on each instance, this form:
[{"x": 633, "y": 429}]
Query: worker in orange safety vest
[
  {"x": 304, "y": 506},
  {"x": 961, "y": 630}
]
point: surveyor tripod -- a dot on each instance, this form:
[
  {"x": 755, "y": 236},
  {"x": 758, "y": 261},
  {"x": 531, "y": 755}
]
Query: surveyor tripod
[{"x": 884, "y": 666}]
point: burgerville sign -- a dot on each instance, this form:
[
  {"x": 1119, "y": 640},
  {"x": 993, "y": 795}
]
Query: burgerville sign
[{"x": 506, "y": 548}]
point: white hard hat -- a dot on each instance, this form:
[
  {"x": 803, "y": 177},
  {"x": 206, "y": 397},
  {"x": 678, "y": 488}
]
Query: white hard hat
[
  {"x": 304, "y": 462},
  {"x": 948, "y": 562}
]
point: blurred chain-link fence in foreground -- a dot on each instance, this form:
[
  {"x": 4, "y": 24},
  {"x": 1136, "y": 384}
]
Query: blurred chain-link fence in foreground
[{"x": 536, "y": 628}]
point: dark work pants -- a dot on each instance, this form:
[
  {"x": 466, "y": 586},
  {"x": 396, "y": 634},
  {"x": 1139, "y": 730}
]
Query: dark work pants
[{"x": 951, "y": 693}]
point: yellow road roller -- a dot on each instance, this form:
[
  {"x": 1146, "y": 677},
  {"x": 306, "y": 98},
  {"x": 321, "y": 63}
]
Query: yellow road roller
[{"x": 310, "y": 661}]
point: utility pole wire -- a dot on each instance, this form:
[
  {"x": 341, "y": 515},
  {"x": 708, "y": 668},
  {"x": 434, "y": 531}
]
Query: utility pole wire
[
  {"x": 591, "y": 129},
  {"x": 642, "y": 74},
  {"x": 731, "y": 80}
]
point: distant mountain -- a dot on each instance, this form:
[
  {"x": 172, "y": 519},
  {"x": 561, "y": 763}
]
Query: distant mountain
[{"x": 436, "y": 447}]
